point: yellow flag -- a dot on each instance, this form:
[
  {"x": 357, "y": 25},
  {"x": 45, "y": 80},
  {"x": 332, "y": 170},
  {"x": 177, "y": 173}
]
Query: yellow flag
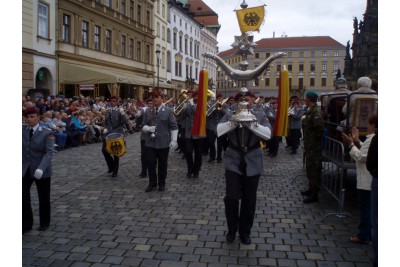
[{"x": 250, "y": 19}]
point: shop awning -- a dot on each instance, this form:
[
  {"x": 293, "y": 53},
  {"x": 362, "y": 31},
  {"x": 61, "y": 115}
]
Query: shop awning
[{"x": 84, "y": 74}]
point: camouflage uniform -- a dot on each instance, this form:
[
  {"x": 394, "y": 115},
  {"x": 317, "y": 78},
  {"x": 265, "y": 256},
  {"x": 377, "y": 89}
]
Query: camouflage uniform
[{"x": 313, "y": 131}]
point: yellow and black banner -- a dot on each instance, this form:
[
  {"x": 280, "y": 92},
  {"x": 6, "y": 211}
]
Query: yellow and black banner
[{"x": 250, "y": 19}]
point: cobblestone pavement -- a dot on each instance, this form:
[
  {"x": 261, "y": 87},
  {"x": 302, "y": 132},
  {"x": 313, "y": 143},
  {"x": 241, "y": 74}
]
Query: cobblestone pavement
[{"x": 98, "y": 220}]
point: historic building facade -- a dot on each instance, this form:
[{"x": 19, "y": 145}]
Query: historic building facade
[
  {"x": 312, "y": 62},
  {"x": 183, "y": 55},
  {"x": 39, "y": 60},
  {"x": 364, "y": 58},
  {"x": 106, "y": 47}
]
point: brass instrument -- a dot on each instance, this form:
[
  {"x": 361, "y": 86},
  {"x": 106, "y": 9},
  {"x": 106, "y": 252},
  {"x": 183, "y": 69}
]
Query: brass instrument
[
  {"x": 181, "y": 104},
  {"x": 216, "y": 106},
  {"x": 169, "y": 100},
  {"x": 257, "y": 100}
]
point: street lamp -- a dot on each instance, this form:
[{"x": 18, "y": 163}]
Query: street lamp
[{"x": 158, "y": 52}]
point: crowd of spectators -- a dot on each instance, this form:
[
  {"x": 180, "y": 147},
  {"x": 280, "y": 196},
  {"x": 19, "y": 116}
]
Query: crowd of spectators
[{"x": 79, "y": 120}]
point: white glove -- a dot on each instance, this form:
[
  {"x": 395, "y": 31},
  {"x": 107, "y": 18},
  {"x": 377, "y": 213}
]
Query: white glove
[
  {"x": 173, "y": 145},
  {"x": 122, "y": 111},
  {"x": 149, "y": 129},
  {"x": 105, "y": 131},
  {"x": 38, "y": 174}
]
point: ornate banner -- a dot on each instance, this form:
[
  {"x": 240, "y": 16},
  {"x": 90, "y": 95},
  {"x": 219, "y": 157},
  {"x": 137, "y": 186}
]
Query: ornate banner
[{"x": 250, "y": 19}]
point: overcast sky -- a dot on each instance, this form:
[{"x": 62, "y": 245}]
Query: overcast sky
[{"x": 293, "y": 18}]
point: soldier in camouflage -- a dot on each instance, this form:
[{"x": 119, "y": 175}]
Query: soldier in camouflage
[{"x": 313, "y": 131}]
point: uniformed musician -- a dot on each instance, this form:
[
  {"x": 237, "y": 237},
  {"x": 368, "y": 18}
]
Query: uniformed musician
[
  {"x": 161, "y": 130},
  {"x": 37, "y": 153},
  {"x": 243, "y": 166},
  {"x": 115, "y": 120},
  {"x": 211, "y": 127}
]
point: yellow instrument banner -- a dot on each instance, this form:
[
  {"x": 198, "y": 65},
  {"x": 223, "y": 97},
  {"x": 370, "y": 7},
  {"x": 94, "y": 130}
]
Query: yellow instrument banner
[
  {"x": 116, "y": 146},
  {"x": 250, "y": 19}
]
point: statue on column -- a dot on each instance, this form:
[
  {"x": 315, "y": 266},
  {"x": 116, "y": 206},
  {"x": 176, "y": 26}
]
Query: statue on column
[
  {"x": 355, "y": 24},
  {"x": 348, "y": 49}
]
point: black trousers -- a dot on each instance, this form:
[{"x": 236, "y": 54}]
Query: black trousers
[
  {"x": 143, "y": 157},
  {"x": 111, "y": 160},
  {"x": 193, "y": 145},
  {"x": 157, "y": 159},
  {"x": 43, "y": 189},
  {"x": 244, "y": 188},
  {"x": 211, "y": 137},
  {"x": 295, "y": 135}
]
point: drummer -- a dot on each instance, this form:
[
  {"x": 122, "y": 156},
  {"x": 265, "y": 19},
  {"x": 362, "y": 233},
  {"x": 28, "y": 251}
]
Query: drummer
[{"x": 114, "y": 123}]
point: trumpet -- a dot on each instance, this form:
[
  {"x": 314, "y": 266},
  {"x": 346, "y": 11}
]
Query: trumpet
[{"x": 216, "y": 106}]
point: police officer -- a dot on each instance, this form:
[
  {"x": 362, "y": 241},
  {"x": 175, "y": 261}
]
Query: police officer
[
  {"x": 243, "y": 167},
  {"x": 313, "y": 131},
  {"x": 115, "y": 120},
  {"x": 37, "y": 153},
  {"x": 161, "y": 130}
]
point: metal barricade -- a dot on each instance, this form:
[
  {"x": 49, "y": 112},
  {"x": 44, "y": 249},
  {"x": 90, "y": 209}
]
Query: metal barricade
[{"x": 334, "y": 171}]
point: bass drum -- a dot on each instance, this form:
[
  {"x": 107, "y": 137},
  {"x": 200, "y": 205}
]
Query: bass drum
[{"x": 115, "y": 144}]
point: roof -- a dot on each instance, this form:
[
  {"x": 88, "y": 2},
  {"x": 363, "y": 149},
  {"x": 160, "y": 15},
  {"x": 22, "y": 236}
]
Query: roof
[
  {"x": 200, "y": 8},
  {"x": 228, "y": 53},
  {"x": 298, "y": 42}
]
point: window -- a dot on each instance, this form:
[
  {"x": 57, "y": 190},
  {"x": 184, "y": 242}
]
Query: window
[
  {"x": 312, "y": 82},
  {"x": 158, "y": 6},
  {"x": 312, "y": 67},
  {"x": 148, "y": 21},
  {"x": 336, "y": 53},
  {"x": 168, "y": 61},
  {"x": 123, "y": 7},
  {"x": 85, "y": 33},
  {"x": 323, "y": 82},
  {"x": 147, "y": 54},
  {"x": 323, "y": 67},
  {"x": 108, "y": 41},
  {"x": 163, "y": 10},
  {"x": 278, "y": 67},
  {"x": 139, "y": 14},
  {"x": 290, "y": 67},
  {"x": 256, "y": 82},
  {"x": 131, "y": 48},
  {"x": 191, "y": 48},
  {"x": 174, "y": 40},
  {"x": 66, "y": 28},
  {"x": 335, "y": 67},
  {"x": 301, "y": 67},
  {"x": 138, "y": 51},
  {"x": 180, "y": 43},
  {"x": 186, "y": 46},
  {"x": 97, "y": 37},
  {"x": 163, "y": 32},
  {"x": 169, "y": 36},
  {"x": 158, "y": 29},
  {"x": 196, "y": 73},
  {"x": 323, "y": 53},
  {"x": 301, "y": 55},
  {"x": 257, "y": 55},
  {"x": 123, "y": 46},
  {"x": 267, "y": 55},
  {"x": 277, "y": 81},
  {"x": 289, "y": 54},
  {"x": 312, "y": 54},
  {"x": 266, "y": 81},
  {"x": 300, "y": 83},
  {"x": 190, "y": 71},
  {"x": 187, "y": 71},
  {"x": 43, "y": 14},
  {"x": 131, "y": 9},
  {"x": 108, "y": 3}
]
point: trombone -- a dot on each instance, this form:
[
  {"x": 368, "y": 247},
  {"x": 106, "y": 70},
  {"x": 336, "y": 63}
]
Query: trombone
[
  {"x": 182, "y": 100},
  {"x": 216, "y": 106}
]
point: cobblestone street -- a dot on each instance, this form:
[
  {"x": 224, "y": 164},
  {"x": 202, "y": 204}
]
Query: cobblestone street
[{"x": 98, "y": 220}]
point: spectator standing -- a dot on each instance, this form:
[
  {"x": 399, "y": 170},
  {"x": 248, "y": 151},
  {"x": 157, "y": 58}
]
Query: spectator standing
[
  {"x": 359, "y": 152},
  {"x": 37, "y": 153},
  {"x": 313, "y": 131}
]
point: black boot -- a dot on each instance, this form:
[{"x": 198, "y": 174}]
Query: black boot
[{"x": 313, "y": 197}]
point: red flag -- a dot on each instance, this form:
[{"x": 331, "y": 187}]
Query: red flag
[{"x": 199, "y": 122}]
